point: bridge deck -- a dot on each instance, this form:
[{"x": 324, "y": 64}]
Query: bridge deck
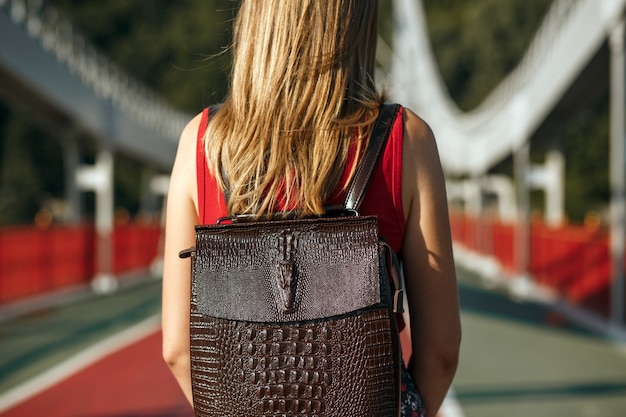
[{"x": 101, "y": 357}]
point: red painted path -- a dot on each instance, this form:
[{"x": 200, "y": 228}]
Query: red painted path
[{"x": 132, "y": 382}]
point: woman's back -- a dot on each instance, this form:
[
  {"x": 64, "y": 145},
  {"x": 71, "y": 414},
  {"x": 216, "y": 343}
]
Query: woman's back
[{"x": 301, "y": 105}]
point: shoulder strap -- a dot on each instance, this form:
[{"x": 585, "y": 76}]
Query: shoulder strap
[{"x": 374, "y": 149}]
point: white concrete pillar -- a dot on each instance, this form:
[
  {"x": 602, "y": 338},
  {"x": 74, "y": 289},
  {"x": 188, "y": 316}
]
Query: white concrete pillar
[
  {"x": 71, "y": 163},
  {"x": 555, "y": 188},
  {"x": 159, "y": 185},
  {"x": 522, "y": 233},
  {"x": 99, "y": 178},
  {"x": 504, "y": 190},
  {"x": 617, "y": 180},
  {"x": 550, "y": 178}
]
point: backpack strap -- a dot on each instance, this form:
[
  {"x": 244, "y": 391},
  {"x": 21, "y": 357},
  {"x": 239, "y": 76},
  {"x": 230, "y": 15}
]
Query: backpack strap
[{"x": 375, "y": 148}]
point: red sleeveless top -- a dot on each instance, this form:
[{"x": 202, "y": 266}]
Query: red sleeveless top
[{"x": 383, "y": 197}]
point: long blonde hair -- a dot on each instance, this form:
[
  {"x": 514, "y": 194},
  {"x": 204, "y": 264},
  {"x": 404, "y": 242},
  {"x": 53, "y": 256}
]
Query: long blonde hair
[{"x": 302, "y": 88}]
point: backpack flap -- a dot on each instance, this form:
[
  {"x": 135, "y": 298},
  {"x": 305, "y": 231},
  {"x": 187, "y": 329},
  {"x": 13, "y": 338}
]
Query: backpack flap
[{"x": 284, "y": 271}]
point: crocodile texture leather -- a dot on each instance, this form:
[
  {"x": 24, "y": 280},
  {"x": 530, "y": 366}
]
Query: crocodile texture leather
[
  {"x": 293, "y": 318},
  {"x": 278, "y": 271}
]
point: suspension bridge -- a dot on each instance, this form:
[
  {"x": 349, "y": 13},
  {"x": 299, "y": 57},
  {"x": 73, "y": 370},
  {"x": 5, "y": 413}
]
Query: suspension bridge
[{"x": 542, "y": 305}]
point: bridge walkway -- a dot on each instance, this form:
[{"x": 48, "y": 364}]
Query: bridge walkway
[{"x": 100, "y": 356}]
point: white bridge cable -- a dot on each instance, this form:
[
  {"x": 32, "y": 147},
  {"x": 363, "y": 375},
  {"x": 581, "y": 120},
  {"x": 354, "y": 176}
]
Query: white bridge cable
[
  {"x": 471, "y": 142},
  {"x": 108, "y": 81}
]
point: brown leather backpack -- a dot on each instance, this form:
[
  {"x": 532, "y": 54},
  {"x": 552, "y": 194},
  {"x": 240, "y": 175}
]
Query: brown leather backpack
[{"x": 296, "y": 317}]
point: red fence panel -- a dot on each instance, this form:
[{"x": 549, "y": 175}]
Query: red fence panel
[
  {"x": 504, "y": 245},
  {"x": 485, "y": 236},
  {"x": 35, "y": 261},
  {"x": 573, "y": 260},
  {"x": 135, "y": 246}
]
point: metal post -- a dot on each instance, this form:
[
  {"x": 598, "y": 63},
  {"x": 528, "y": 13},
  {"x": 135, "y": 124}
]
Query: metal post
[
  {"x": 555, "y": 187},
  {"x": 104, "y": 281},
  {"x": 71, "y": 160},
  {"x": 618, "y": 207},
  {"x": 522, "y": 236},
  {"x": 99, "y": 178}
]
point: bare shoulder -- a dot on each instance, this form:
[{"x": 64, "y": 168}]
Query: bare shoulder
[
  {"x": 419, "y": 139},
  {"x": 183, "y": 178},
  {"x": 422, "y": 173},
  {"x": 190, "y": 133},
  {"x": 186, "y": 152}
]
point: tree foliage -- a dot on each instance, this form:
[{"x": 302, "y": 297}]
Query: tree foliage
[
  {"x": 477, "y": 43},
  {"x": 586, "y": 148},
  {"x": 180, "y": 50},
  {"x": 31, "y": 168}
]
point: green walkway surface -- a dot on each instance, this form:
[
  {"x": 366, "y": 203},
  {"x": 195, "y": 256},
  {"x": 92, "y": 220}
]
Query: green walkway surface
[
  {"x": 517, "y": 359},
  {"x": 32, "y": 343},
  {"x": 524, "y": 359}
]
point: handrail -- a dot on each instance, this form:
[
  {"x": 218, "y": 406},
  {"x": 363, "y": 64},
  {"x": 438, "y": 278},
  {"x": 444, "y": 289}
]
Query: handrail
[
  {"x": 543, "y": 41},
  {"x": 471, "y": 142},
  {"x": 57, "y": 35}
]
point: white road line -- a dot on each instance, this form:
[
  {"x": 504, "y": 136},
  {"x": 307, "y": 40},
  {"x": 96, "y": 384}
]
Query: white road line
[{"x": 78, "y": 362}]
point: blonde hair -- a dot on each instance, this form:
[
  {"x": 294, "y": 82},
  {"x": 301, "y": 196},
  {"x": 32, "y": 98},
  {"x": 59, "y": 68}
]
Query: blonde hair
[{"x": 302, "y": 88}]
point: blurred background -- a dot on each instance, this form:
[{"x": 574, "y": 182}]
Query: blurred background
[{"x": 526, "y": 99}]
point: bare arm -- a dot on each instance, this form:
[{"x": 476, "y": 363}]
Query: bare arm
[
  {"x": 429, "y": 266},
  {"x": 180, "y": 234}
]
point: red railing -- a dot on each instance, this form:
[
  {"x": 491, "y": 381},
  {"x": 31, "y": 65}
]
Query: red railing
[
  {"x": 35, "y": 260},
  {"x": 571, "y": 259},
  {"x": 135, "y": 247}
]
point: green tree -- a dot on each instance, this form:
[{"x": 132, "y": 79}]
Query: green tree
[
  {"x": 477, "y": 43},
  {"x": 180, "y": 50},
  {"x": 31, "y": 168},
  {"x": 177, "y": 48},
  {"x": 586, "y": 148}
]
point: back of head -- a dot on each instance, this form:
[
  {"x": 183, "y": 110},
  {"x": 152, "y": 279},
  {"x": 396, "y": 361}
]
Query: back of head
[{"x": 302, "y": 85}]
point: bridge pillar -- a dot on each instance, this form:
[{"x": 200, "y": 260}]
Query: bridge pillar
[
  {"x": 159, "y": 185},
  {"x": 99, "y": 178},
  {"x": 617, "y": 171},
  {"x": 503, "y": 189},
  {"x": 549, "y": 177},
  {"x": 71, "y": 163},
  {"x": 522, "y": 234},
  {"x": 555, "y": 187}
]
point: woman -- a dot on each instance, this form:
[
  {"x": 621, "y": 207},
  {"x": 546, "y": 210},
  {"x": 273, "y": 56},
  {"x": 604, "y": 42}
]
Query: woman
[{"x": 301, "y": 105}]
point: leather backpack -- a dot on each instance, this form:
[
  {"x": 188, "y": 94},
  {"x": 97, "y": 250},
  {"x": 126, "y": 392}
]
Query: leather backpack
[{"x": 297, "y": 317}]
